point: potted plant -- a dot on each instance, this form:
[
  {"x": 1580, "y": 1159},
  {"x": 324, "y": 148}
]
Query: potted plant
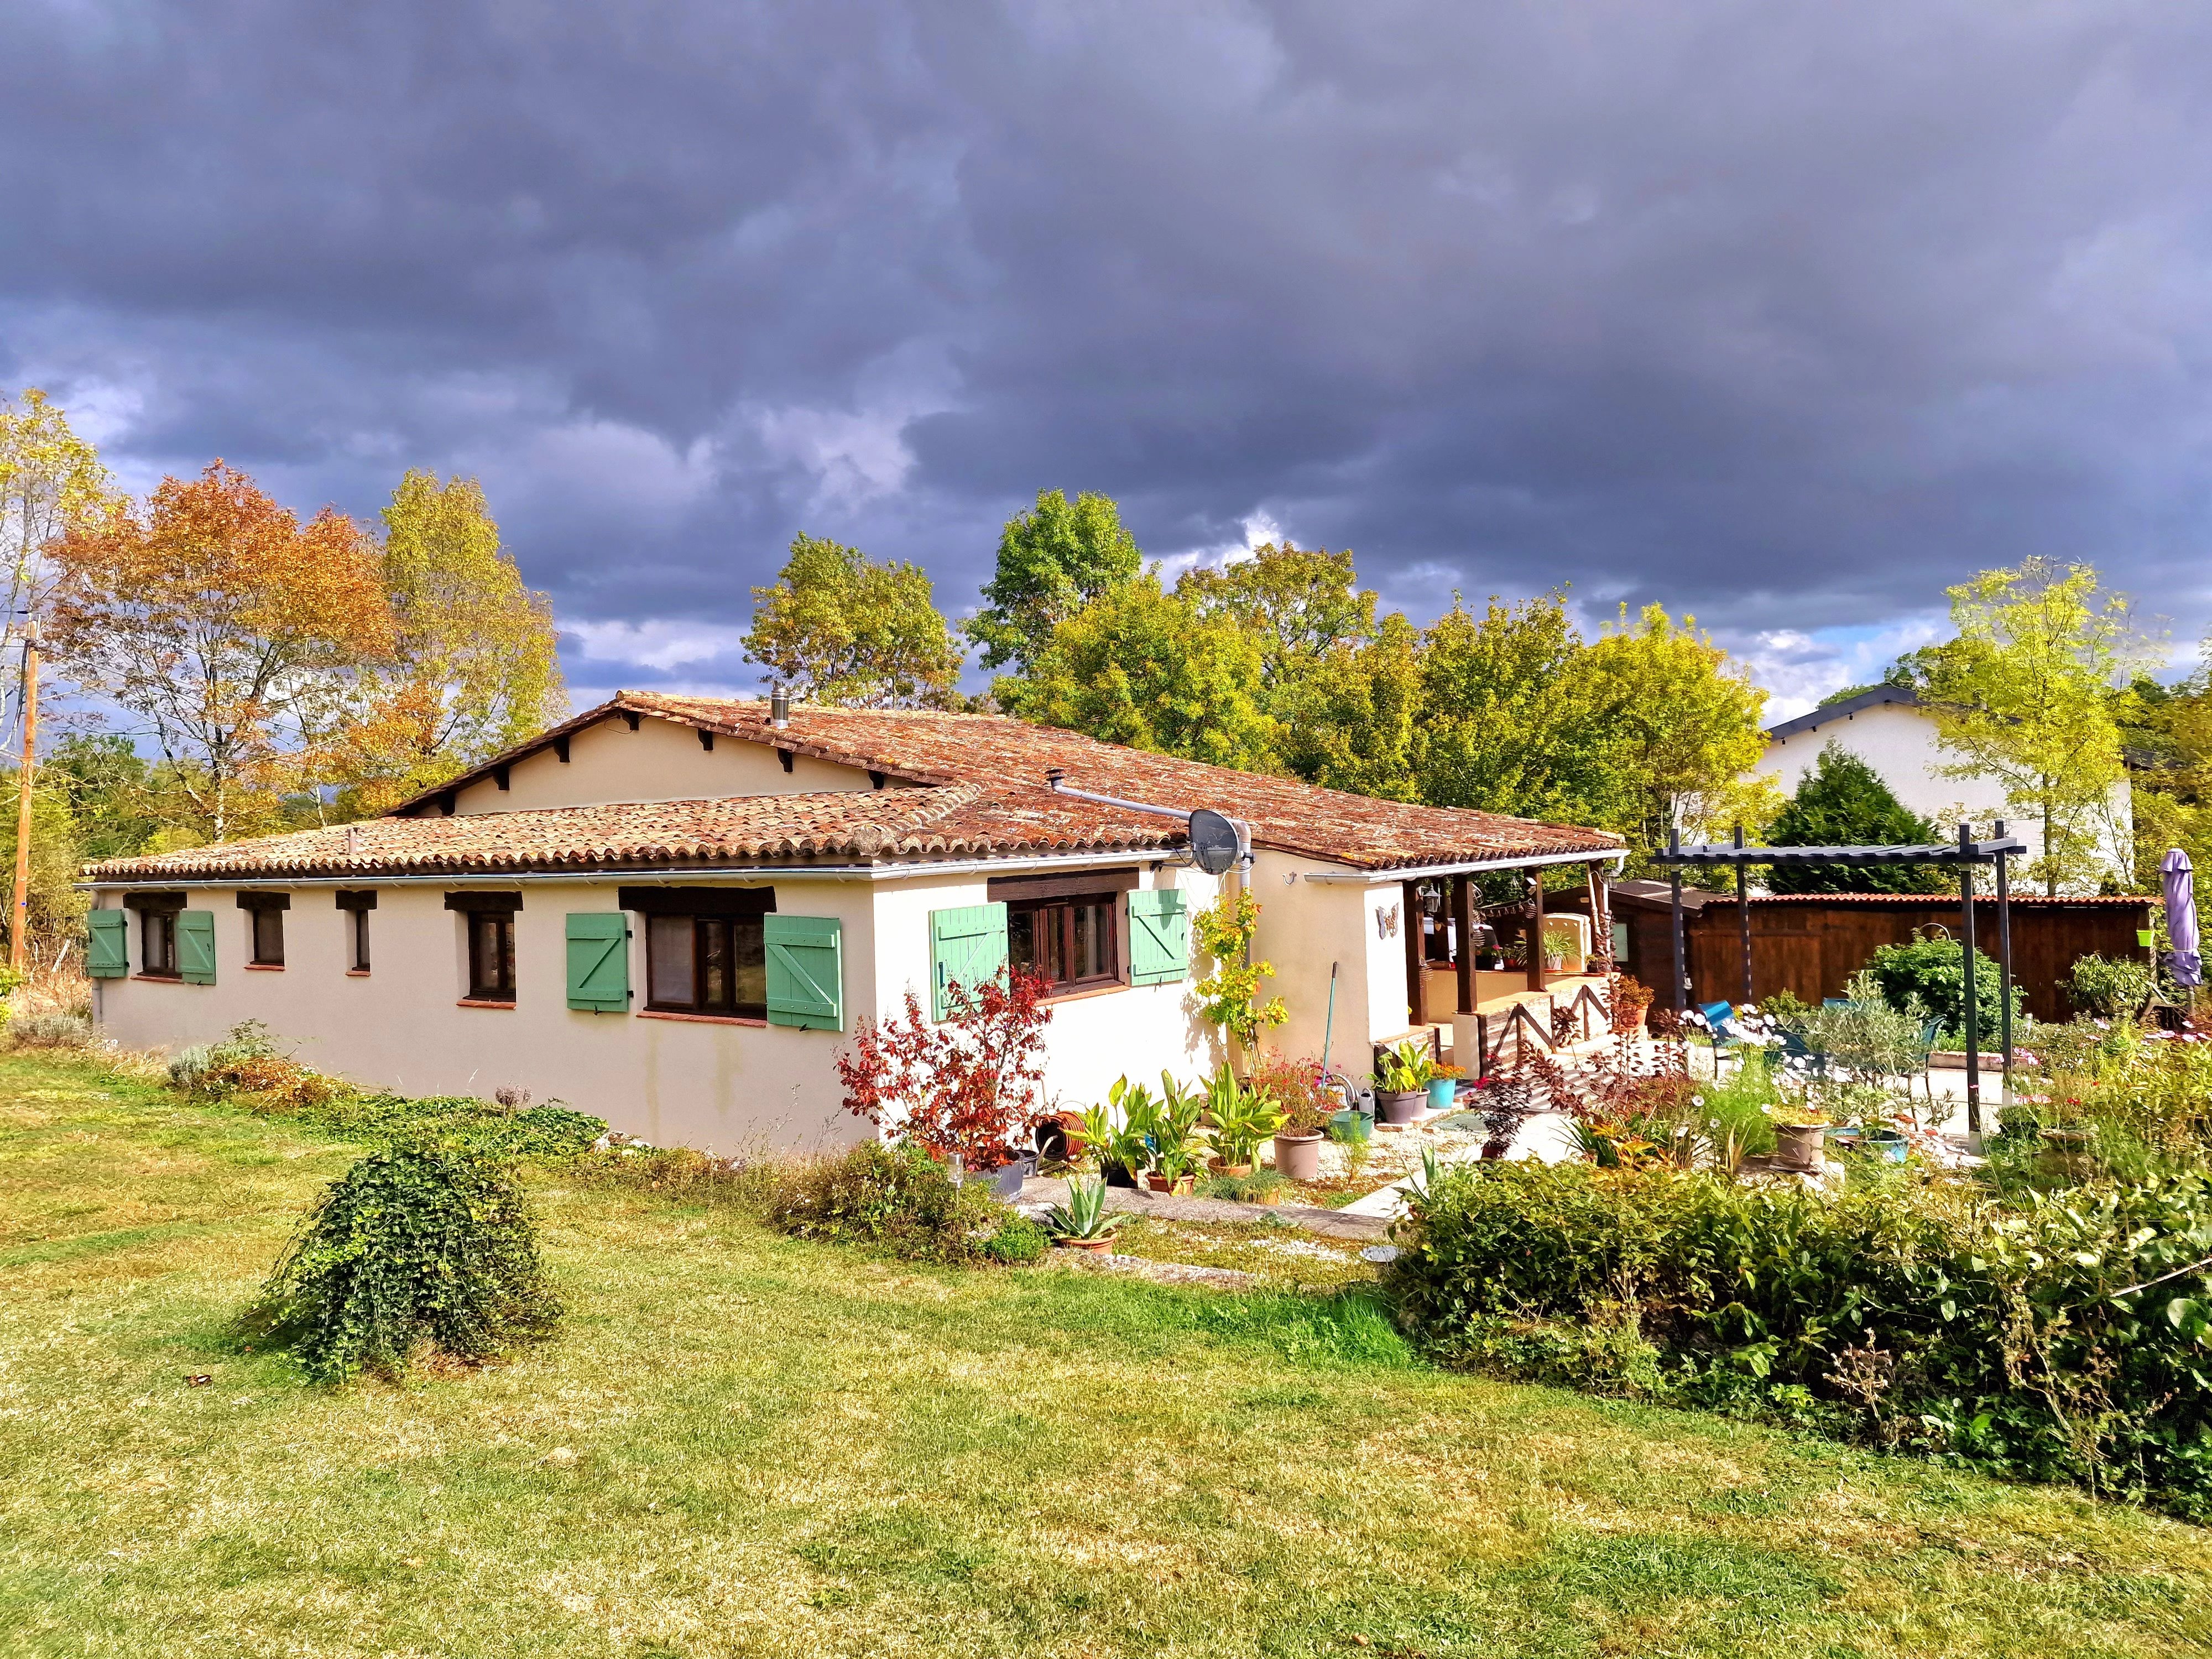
[
  {"x": 1178, "y": 1142},
  {"x": 1401, "y": 1082},
  {"x": 1242, "y": 1118},
  {"x": 1799, "y": 1134},
  {"x": 1123, "y": 1147},
  {"x": 1443, "y": 1086},
  {"x": 1298, "y": 1141},
  {"x": 1082, "y": 1223}
]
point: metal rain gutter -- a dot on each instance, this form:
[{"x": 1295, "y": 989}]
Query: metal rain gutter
[
  {"x": 1423, "y": 871},
  {"x": 657, "y": 875}
]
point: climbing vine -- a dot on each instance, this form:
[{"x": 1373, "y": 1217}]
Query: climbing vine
[{"x": 1228, "y": 996}]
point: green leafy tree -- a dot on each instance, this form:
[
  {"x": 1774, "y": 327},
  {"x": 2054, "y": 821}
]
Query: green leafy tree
[
  {"x": 56, "y": 907},
  {"x": 1685, "y": 720},
  {"x": 2024, "y": 695},
  {"x": 1356, "y": 730},
  {"x": 474, "y": 664},
  {"x": 1136, "y": 666},
  {"x": 1053, "y": 561},
  {"x": 839, "y": 628},
  {"x": 50, "y": 481},
  {"x": 103, "y": 781},
  {"x": 1843, "y": 802},
  {"x": 1301, "y": 605},
  {"x": 1510, "y": 719}
]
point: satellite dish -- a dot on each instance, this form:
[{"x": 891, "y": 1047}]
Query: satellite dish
[{"x": 1215, "y": 846}]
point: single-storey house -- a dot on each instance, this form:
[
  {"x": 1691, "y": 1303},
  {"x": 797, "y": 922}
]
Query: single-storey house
[{"x": 667, "y": 911}]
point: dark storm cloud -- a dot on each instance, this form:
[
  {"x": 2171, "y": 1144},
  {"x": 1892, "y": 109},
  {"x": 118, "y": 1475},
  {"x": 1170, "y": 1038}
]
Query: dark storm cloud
[{"x": 1789, "y": 314}]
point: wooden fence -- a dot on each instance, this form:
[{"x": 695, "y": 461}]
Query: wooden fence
[{"x": 1810, "y": 943}]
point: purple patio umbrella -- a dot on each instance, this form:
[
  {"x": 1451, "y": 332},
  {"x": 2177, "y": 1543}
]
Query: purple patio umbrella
[{"x": 2181, "y": 918}]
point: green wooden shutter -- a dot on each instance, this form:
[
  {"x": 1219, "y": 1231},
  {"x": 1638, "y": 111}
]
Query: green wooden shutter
[
  {"x": 1159, "y": 936},
  {"x": 805, "y": 971},
  {"x": 196, "y": 946},
  {"x": 599, "y": 960},
  {"x": 106, "y": 953},
  {"x": 966, "y": 947}
]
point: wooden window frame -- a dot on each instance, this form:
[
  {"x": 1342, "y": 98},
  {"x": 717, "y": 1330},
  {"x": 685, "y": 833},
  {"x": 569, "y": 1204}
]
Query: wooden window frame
[
  {"x": 498, "y": 990},
  {"x": 355, "y": 906},
  {"x": 1058, "y": 911},
  {"x": 265, "y": 928},
  {"x": 160, "y": 925},
  {"x": 732, "y": 923}
]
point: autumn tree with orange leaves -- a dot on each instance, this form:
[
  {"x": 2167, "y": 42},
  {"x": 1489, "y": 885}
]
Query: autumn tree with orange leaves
[{"x": 227, "y": 625}]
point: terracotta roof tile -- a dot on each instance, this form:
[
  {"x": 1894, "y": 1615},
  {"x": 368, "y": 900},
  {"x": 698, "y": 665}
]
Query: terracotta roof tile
[{"x": 983, "y": 793}]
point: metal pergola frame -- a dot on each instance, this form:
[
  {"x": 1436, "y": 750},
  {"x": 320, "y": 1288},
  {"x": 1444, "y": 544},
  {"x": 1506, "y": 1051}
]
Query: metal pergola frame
[{"x": 1964, "y": 855}]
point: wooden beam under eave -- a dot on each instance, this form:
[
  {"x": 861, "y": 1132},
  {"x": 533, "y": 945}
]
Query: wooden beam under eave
[
  {"x": 1462, "y": 909},
  {"x": 1417, "y": 988}
]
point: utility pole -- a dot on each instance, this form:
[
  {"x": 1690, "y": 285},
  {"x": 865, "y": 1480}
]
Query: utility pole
[{"x": 19, "y": 915}]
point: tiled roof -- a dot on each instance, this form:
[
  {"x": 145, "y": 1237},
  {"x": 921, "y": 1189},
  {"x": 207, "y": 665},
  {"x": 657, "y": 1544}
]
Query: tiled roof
[
  {"x": 948, "y": 821},
  {"x": 983, "y": 793}
]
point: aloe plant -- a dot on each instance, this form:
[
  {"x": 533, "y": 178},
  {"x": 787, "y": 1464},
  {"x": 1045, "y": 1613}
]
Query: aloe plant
[{"x": 1084, "y": 1214}]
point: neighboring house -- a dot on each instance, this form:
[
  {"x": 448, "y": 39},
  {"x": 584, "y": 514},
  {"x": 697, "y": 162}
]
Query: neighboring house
[
  {"x": 1888, "y": 729},
  {"x": 665, "y": 910}
]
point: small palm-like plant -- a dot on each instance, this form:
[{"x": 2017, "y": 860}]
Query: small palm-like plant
[
  {"x": 1243, "y": 1117},
  {"x": 1084, "y": 1216}
]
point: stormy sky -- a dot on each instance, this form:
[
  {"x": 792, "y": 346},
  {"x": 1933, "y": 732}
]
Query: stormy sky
[{"x": 1785, "y": 315}]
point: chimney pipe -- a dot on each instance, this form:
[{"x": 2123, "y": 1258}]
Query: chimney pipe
[{"x": 778, "y": 707}]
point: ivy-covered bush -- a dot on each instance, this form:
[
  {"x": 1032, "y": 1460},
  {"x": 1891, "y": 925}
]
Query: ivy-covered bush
[
  {"x": 2106, "y": 987},
  {"x": 899, "y": 1197},
  {"x": 2068, "y": 1338},
  {"x": 1931, "y": 974},
  {"x": 427, "y": 1247}
]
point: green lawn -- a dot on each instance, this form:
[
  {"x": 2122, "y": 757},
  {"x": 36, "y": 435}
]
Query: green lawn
[{"x": 782, "y": 1448}]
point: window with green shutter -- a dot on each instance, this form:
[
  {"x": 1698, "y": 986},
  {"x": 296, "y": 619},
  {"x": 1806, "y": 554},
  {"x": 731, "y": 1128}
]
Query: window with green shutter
[
  {"x": 598, "y": 962},
  {"x": 966, "y": 946},
  {"x": 805, "y": 971},
  {"x": 1159, "y": 936},
  {"x": 196, "y": 946},
  {"x": 107, "y": 951}
]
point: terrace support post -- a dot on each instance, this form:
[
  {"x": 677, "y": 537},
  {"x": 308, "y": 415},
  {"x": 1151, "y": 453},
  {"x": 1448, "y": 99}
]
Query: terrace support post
[
  {"x": 2004, "y": 971},
  {"x": 1416, "y": 984},
  {"x": 1973, "y": 1012},
  {"x": 1675, "y": 875},
  {"x": 1743, "y": 916},
  {"x": 1535, "y": 930},
  {"x": 1600, "y": 917},
  {"x": 1462, "y": 908}
]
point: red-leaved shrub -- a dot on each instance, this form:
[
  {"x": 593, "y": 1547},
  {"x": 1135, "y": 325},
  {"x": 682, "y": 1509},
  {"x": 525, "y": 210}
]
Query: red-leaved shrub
[{"x": 968, "y": 1086}]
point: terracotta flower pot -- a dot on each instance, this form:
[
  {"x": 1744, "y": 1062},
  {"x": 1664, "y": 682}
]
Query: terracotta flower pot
[
  {"x": 1174, "y": 1185},
  {"x": 1095, "y": 1246},
  {"x": 1797, "y": 1145},
  {"x": 1401, "y": 1108},
  {"x": 1221, "y": 1168},
  {"x": 1297, "y": 1157}
]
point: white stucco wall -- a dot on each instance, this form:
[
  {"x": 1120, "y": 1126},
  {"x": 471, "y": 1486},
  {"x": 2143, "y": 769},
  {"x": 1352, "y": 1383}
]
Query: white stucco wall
[{"x": 1899, "y": 742}]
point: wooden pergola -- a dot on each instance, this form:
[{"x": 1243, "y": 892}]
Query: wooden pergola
[{"x": 1964, "y": 856}]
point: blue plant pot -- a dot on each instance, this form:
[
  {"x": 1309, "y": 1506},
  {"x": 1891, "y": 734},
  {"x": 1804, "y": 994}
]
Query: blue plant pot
[{"x": 1442, "y": 1091}]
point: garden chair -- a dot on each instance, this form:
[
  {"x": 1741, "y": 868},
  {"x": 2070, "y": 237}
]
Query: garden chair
[
  {"x": 1720, "y": 1020},
  {"x": 1796, "y": 1047}
]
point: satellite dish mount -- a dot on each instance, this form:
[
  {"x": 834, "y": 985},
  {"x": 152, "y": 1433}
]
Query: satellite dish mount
[{"x": 1219, "y": 843}]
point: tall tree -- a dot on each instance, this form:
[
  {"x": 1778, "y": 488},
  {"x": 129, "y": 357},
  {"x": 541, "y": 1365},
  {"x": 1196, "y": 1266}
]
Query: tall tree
[
  {"x": 50, "y": 480},
  {"x": 1685, "y": 720},
  {"x": 1512, "y": 719},
  {"x": 56, "y": 907},
  {"x": 103, "y": 781},
  {"x": 1843, "y": 802},
  {"x": 838, "y": 627},
  {"x": 1053, "y": 561},
  {"x": 1136, "y": 666},
  {"x": 1301, "y": 603},
  {"x": 1355, "y": 731},
  {"x": 230, "y": 627},
  {"x": 475, "y": 663},
  {"x": 2025, "y": 694}
]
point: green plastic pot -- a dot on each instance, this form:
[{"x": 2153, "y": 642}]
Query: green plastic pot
[{"x": 1350, "y": 1126}]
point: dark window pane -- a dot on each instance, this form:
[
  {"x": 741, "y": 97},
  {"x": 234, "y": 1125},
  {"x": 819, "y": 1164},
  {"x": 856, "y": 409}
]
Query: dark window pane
[
  {"x": 748, "y": 967},
  {"x": 360, "y": 920},
  {"x": 1090, "y": 953},
  {"x": 491, "y": 956},
  {"x": 268, "y": 936},
  {"x": 671, "y": 966},
  {"x": 715, "y": 964},
  {"x": 1022, "y": 937}
]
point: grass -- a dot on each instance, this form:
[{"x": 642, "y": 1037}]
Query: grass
[{"x": 746, "y": 1445}]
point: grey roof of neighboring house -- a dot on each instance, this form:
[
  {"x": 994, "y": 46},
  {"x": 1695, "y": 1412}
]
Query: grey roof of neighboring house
[{"x": 1843, "y": 710}]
